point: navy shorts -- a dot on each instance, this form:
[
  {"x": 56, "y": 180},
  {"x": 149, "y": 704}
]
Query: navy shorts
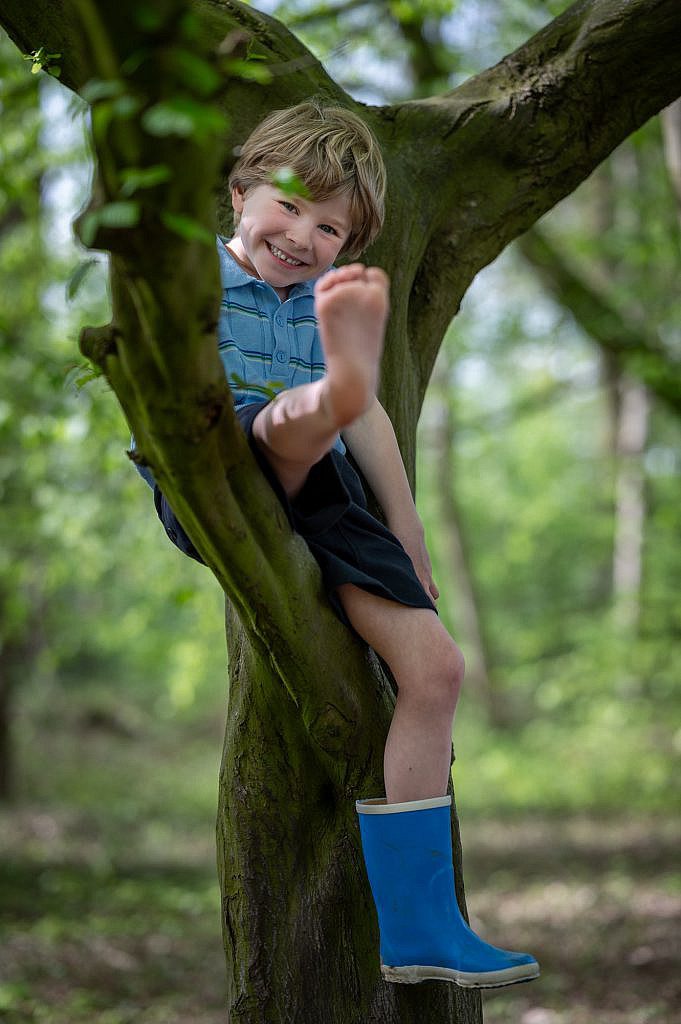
[{"x": 330, "y": 512}]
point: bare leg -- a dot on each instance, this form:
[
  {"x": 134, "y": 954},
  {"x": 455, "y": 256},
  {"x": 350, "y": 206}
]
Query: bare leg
[
  {"x": 428, "y": 667},
  {"x": 301, "y": 425}
]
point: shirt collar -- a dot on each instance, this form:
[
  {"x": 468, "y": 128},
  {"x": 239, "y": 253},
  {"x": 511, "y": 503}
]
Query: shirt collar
[{"x": 234, "y": 276}]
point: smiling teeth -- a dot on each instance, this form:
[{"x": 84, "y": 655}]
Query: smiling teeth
[{"x": 282, "y": 256}]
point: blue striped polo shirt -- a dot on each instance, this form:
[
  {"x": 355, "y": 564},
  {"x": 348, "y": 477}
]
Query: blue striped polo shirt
[{"x": 265, "y": 343}]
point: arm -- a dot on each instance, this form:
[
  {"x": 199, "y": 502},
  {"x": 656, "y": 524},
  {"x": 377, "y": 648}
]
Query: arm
[{"x": 373, "y": 444}]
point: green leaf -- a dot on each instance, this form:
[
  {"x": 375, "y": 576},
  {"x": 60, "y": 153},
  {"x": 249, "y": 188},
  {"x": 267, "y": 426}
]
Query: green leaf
[
  {"x": 102, "y": 89},
  {"x": 119, "y": 215},
  {"x": 134, "y": 178},
  {"x": 78, "y": 276},
  {"x": 183, "y": 117},
  {"x": 42, "y": 61},
  {"x": 101, "y": 118},
  {"x": 135, "y": 60},
  {"x": 81, "y": 374},
  {"x": 124, "y": 214},
  {"x": 270, "y": 390},
  {"x": 248, "y": 70},
  {"x": 190, "y": 26},
  {"x": 288, "y": 182},
  {"x": 195, "y": 72},
  {"x": 148, "y": 17},
  {"x": 165, "y": 119},
  {"x": 187, "y": 228},
  {"x": 125, "y": 106}
]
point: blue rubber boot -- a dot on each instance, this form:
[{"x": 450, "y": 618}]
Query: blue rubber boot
[{"x": 408, "y": 856}]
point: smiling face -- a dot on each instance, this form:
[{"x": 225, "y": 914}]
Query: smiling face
[{"x": 286, "y": 240}]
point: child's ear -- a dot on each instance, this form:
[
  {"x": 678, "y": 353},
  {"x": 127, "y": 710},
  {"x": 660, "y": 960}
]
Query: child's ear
[{"x": 237, "y": 198}]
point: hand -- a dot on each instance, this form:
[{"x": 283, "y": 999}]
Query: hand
[{"x": 412, "y": 539}]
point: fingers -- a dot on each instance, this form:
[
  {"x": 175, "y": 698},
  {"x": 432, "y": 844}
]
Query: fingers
[{"x": 428, "y": 584}]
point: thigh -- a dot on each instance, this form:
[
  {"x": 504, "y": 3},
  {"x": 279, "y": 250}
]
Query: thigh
[
  {"x": 408, "y": 639},
  {"x": 290, "y": 473}
]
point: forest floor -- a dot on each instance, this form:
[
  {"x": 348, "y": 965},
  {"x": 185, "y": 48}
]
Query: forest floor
[{"x": 111, "y": 917}]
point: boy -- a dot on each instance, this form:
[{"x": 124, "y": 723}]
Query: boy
[{"x": 317, "y": 338}]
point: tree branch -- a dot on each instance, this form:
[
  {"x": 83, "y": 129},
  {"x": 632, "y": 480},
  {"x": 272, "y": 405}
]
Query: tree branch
[
  {"x": 510, "y": 143},
  {"x": 325, "y": 12},
  {"x": 637, "y": 350}
]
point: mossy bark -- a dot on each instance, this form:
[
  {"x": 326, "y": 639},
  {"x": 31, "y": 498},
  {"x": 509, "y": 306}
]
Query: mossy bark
[
  {"x": 309, "y": 708},
  {"x": 300, "y": 931}
]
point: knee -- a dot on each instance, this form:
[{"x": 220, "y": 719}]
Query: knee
[
  {"x": 458, "y": 666},
  {"x": 445, "y": 674},
  {"x": 453, "y": 669}
]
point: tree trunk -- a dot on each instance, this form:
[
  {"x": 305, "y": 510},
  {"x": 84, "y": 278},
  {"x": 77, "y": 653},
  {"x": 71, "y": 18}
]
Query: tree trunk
[
  {"x": 19, "y": 655},
  {"x": 299, "y": 924},
  {"x": 468, "y": 171},
  {"x": 20, "y": 651},
  {"x": 629, "y": 406},
  {"x": 630, "y": 505},
  {"x": 460, "y": 577},
  {"x": 596, "y": 309},
  {"x": 6, "y": 732},
  {"x": 671, "y": 129}
]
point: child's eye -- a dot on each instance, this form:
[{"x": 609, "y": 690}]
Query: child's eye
[
  {"x": 286, "y": 205},
  {"x": 328, "y": 230}
]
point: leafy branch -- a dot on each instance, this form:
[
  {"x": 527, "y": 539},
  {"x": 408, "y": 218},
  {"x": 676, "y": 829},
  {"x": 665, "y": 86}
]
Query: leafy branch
[{"x": 41, "y": 60}]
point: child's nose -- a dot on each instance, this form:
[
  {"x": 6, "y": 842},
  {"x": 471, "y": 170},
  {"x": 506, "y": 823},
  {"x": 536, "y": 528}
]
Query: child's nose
[{"x": 300, "y": 234}]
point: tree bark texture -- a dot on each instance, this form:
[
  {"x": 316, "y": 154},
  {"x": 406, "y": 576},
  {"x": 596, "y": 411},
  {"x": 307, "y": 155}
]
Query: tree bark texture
[
  {"x": 300, "y": 930},
  {"x": 468, "y": 171}
]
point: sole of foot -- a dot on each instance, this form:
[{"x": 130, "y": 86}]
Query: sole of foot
[{"x": 352, "y": 306}]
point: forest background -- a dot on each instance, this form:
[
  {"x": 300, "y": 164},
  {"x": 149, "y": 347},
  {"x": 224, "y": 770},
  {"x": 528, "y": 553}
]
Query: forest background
[{"x": 550, "y": 486}]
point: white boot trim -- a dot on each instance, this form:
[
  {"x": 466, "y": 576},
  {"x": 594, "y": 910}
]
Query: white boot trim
[
  {"x": 466, "y": 979},
  {"x": 379, "y": 805}
]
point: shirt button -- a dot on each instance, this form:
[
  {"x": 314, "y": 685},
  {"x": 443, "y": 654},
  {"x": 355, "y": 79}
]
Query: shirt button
[
  {"x": 281, "y": 357},
  {"x": 278, "y": 321}
]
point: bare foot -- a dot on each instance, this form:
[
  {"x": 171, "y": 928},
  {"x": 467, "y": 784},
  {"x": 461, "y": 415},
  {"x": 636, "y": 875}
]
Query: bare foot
[{"x": 352, "y": 310}]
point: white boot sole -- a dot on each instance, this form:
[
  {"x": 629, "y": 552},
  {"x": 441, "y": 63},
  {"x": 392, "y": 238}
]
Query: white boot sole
[{"x": 413, "y": 974}]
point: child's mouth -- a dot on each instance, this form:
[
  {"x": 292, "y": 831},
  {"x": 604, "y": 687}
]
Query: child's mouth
[{"x": 283, "y": 257}]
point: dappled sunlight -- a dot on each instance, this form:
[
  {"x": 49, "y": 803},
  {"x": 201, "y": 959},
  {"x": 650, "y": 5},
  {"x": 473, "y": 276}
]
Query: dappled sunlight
[
  {"x": 597, "y": 900},
  {"x": 128, "y": 927}
]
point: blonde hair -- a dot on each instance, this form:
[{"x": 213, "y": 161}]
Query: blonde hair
[{"x": 332, "y": 151}]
